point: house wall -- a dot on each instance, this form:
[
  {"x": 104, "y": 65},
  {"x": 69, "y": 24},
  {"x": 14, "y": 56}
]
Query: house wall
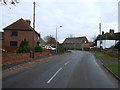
[
  {"x": 106, "y": 43},
  {"x": 28, "y": 35},
  {"x": 72, "y": 46},
  {"x": 82, "y": 45},
  {"x": 36, "y": 39},
  {"x": 1, "y": 43}
]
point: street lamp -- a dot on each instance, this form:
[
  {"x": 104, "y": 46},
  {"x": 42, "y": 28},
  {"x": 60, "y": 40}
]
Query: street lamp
[{"x": 56, "y": 38}]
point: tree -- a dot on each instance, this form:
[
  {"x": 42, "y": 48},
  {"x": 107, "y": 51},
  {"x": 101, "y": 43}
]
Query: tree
[
  {"x": 117, "y": 46},
  {"x": 50, "y": 40},
  {"x": 24, "y": 47},
  {"x": 93, "y": 38},
  {"x": 70, "y": 35},
  {"x": 5, "y": 2}
]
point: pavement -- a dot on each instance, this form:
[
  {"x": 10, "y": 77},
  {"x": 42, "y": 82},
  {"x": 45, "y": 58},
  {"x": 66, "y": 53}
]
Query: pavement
[
  {"x": 110, "y": 61},
  {"x": 72, "y": 70}
]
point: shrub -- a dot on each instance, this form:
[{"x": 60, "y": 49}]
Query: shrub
[
  {"x": 38, "y": 49},
  {"x": 117, "y": 46},
  {"x": 24, "y": 47}
]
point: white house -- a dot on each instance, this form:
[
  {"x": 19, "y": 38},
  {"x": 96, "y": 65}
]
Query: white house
[
  {"x": 108, "y": 39},
  {"x": 106, "y": 43}
]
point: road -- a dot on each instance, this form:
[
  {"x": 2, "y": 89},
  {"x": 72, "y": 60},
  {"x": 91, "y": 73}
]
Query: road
[{"x": 72, "y": 70}]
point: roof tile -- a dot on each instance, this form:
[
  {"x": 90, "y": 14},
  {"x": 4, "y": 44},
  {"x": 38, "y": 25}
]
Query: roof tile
[{"x": 20, "y": 24}]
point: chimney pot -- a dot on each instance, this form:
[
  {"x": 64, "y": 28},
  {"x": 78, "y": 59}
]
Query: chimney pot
[
  {"x": 111, "y": 30},
  {"x": 102, "y": 32},
  {"x": 28, "y": 21}
]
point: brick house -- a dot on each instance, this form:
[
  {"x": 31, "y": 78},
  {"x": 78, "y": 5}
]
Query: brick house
[
  {"x": 76, "y": 43},
  {"x": 16, "y": 32},
  {"x": 1, "y": 39}
]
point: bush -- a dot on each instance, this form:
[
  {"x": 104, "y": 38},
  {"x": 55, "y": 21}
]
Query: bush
[
  {"x": 117, "y": 46},
  {"x": 38, "y": 49},
  {"x": 24, "y": 47}
]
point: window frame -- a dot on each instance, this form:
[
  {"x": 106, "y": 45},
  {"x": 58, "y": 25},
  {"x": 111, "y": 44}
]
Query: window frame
[
  {"x": 13, "y": 43},
  {"x": 14, "y": 33}
]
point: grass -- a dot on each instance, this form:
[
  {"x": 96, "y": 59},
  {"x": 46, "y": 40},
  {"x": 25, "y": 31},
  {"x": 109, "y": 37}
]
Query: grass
[
  {"x": 114, "y": 67},
  {"x": 103, "y": 56}
]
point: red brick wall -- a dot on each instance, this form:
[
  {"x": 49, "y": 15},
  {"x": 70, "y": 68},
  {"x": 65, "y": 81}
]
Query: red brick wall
[
  {"x": 11, "y": 49},
  {"x": 28, "y": 35},
  {"x": 15, "y": 58},
  {"x": 10, "y": 59},
  {"x": 21, "y": 35},
  {"x": 1, "y": 43}
]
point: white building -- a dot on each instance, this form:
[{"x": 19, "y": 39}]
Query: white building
[
  {"x": 106, "y": 43},
  {"x": 108, "y": 40}
]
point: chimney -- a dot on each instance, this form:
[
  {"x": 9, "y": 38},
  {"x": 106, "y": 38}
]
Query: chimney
[
  {"x": 102, "y": 32},
  {"x": 28, "y": 21},
  {"x": 111, "y": 31}
]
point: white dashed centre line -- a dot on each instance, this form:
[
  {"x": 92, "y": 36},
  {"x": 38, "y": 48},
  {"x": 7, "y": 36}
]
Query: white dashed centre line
[
  {"x": 54, "y": 75},
  {"x": 67, "y": 63}
]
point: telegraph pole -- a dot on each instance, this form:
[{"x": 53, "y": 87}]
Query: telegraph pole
[
  {"x": 100, "y": 28},
  {"x": 33, "y": 26},
  {"x": 100, "y": 32},
  {"x": 34, "y": 15}
]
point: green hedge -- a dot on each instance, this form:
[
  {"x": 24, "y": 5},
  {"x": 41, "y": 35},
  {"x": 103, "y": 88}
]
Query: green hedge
[{"x": 38, "y": 49}]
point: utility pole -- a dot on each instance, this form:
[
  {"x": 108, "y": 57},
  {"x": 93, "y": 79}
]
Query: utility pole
[
  {"x": 33, "y": 25},
  {"x": 56, "y": 39},
  {"x": 100, "y": 32},
  {"x": 100, "y": 28},
  {"x": 34, "y": 15}
]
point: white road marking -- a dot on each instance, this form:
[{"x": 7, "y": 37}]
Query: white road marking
[
  {"x": 66, "y": 63},
  {"x": 54, "y": 75}
]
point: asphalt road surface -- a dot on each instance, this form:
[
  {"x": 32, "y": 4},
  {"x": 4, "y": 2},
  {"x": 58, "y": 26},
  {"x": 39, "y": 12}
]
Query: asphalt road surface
[{"x": 72, "y": 70}]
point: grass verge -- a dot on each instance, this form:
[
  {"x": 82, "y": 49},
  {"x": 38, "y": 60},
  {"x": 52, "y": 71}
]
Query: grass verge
[
  {"x": 104, "y": 56},
  {"x": 114, "y": 67}
]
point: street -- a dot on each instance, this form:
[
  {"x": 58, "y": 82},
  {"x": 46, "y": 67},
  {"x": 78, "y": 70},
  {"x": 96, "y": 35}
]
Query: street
[{"x": 72, "y": 70}]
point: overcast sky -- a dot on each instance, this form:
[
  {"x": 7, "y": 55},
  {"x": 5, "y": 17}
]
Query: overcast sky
[{"x": 78, "y": 17}]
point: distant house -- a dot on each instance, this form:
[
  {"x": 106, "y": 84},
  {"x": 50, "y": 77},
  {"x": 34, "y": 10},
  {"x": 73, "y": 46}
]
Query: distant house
[
  {"x": 1, "y": 39},
  {"x": 18, "y": 31},
  {"x": 76, "y": 43},
  {"x": 108, "y": 39}
]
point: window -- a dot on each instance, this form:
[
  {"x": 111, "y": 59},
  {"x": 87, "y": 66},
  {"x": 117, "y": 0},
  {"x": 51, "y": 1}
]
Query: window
[
  {"x": 38, "y": 43},
  {"x": 13, "y": 43},
  {"x": 13, "y": 33}
]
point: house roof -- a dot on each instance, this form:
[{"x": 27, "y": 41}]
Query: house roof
[
  {"x": 74, "y": 40},
  {"x": 109, "y": 36},
  {"x": 42, "y": 40},
  {"x": 20, "y": 24}
]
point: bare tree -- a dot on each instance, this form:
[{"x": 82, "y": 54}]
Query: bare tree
[
  {"x": 5, "y": 2},
  {"x": 93, "y": 38},
  {"x": 70, "y": 36},
  {"x": 50, "y": 40}
]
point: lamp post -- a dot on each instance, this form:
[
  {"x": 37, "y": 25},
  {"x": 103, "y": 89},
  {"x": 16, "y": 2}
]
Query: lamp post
[{"x": 56, "y": 38}]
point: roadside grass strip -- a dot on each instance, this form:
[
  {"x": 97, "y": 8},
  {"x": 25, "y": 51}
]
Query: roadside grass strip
[
  {"x": 114, "y": 67},
  {"x": 104, "y": 56}
]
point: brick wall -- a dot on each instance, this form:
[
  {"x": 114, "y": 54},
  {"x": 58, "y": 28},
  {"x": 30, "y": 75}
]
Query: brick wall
[{"x": 10, "y": 59}]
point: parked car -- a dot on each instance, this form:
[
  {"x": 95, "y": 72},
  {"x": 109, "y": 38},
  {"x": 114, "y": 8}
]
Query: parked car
[{"x": 49, "y": 47}]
